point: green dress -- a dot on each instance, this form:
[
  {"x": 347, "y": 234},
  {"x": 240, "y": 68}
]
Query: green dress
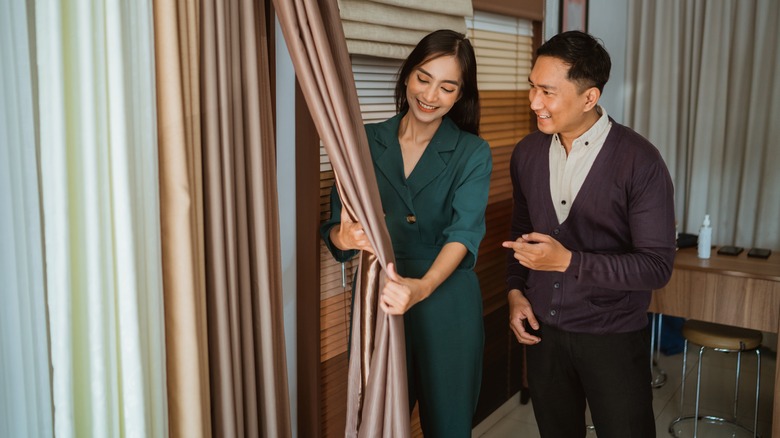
[{"x": 442, "y": 201}]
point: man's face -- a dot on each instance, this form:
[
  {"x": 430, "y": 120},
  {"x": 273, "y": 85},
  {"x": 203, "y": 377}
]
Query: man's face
[{"x": 559, "y": 105}]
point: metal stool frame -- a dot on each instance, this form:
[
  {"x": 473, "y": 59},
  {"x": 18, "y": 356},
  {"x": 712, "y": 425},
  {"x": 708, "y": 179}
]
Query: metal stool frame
[{"x": 696, "y": 416}]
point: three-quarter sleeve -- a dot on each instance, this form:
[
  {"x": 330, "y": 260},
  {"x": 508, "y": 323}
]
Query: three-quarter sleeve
[
  {"x": 335, "y": 219},
  {"x": 470, "y": 199}
]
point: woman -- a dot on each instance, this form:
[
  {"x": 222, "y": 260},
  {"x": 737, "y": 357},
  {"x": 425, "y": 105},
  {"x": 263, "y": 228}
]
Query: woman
[{"x": 433, "y": 173}]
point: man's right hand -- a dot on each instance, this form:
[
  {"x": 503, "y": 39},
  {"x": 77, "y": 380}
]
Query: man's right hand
[{"x": 520, "y": 311}]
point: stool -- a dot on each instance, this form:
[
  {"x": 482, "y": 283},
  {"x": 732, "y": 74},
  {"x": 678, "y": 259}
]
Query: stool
[{"x": 725, "y": 339}]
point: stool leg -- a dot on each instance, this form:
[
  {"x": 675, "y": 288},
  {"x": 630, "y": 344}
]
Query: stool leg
[
  {"x": 682, "y": 386},
  {"x": 736, "y": 385},
  {"x": 652, "y": 345},
  {"x": 657, "y": 374},
  {"x": 758, "y": 388},
  {"x": 658, "y": 347},
  {"x": 698, "y": 393}
]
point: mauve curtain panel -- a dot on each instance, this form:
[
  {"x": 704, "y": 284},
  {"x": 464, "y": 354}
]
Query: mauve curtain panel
[
  {"x": 247, "y": 360},
  {"x": 377, "y": 398}
]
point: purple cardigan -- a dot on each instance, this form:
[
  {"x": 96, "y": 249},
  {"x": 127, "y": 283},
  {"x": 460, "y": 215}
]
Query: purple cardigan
[{"x": 620, "y": 231}]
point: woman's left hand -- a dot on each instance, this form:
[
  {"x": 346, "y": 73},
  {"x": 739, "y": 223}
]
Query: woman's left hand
[{"x": 399, "y": 293}]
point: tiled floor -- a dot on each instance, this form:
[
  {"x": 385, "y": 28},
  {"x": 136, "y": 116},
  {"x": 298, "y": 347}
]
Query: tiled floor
[{"x": 516, "y": 420}]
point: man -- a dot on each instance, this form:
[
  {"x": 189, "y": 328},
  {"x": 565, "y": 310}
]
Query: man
[{"x": 593, "y": 220}]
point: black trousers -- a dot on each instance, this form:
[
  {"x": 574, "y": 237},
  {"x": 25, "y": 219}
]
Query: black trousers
[{"x": 611, "y": 372}]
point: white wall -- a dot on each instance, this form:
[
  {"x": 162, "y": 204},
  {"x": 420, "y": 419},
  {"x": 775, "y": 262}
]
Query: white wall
[
  {"x": 552, "y": 12},
  {"x": 607, "y": 21},
  {"x": 285, "y": 178}
]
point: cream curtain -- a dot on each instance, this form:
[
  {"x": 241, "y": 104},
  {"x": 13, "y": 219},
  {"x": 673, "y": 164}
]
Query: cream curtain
[
  {"x": 391, "y": 28},
  {"x": 702, "y": 85},
  {"x": 177, "y": 34},
  {"x": 98, "y": 172},
  {"x": 243, "y": 263},
  {"x": 377, "y": 402},
  {"x": 25, "y": 386}
]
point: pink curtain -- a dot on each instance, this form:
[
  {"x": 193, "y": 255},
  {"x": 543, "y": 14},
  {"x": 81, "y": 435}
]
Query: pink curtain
[{"x": 377, "y": 399}]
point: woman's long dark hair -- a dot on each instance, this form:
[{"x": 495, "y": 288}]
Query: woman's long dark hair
[{"x": 465, "y": 112}]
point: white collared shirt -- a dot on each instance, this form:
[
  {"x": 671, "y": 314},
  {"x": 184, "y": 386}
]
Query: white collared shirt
[{"x": 567, "y": 173}]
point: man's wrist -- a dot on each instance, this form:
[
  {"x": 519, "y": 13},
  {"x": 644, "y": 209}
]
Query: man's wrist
[{"x": 567, "y": 261}]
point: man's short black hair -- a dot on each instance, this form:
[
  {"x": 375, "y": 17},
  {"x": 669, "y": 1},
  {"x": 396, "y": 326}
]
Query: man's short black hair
[{"x": 588, "y": 61}]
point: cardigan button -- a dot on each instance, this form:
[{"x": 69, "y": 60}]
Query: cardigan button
[
  {"x": 556, "y": 231},
  {"x": 410, "y": 218}
]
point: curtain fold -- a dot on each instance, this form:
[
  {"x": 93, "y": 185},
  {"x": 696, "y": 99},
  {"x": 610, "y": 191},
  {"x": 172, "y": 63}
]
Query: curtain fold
[
  {"x": 702, "y": 86},
  {"x": 243, "y": 273},
  {"x": 177, "y": 60},
  {"x": 25, "y": 385},
  {"x": 100, "y": 208},
  {"x": 377, "y": 398}
]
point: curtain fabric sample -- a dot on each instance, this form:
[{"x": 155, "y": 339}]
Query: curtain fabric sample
[
  {"x": 98, "y": 164},
  {"x": 243, "y": 268},
  {"x": 177, "y": 60},
  {"x": 391, "y": 28},
  {"x": 25, "y": 385},
  {"x": 377, "y": 399},
  {"x": 702, "y": 85}
]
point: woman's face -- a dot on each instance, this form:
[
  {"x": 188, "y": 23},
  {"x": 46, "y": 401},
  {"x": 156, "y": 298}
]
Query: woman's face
[{"x": 433, "y": 87}]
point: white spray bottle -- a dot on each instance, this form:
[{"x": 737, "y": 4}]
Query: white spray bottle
[{"x": 705, "y": 238}]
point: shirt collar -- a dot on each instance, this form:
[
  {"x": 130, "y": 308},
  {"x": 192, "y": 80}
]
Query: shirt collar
[{"x": 596, "y": 131}]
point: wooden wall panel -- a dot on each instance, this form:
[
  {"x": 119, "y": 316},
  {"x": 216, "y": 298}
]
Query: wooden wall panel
[{"x": 334, "y": 396}]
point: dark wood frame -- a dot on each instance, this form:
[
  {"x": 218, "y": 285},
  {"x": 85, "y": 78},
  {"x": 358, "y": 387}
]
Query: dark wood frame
[{"x": 307, "y": 194}]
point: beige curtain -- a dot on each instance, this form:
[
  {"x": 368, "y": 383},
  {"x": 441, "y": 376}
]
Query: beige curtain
[
  {"x": 243, "y": 269},
  {"x": 176, "y": 31},
  {"x": 702, "y": 85},
  {"x": 377, "y": 399}
]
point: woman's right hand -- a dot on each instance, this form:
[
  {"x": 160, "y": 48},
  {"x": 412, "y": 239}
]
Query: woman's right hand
[{"x": 350, "y": 235}]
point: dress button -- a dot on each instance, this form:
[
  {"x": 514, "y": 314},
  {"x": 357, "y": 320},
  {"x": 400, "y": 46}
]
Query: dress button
[
  {"x": 553, "y": 312},
  {"x": 557, "y": 285},
  {"x": 411, "y": 218},
  {"x": 556, "y": 231}
]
